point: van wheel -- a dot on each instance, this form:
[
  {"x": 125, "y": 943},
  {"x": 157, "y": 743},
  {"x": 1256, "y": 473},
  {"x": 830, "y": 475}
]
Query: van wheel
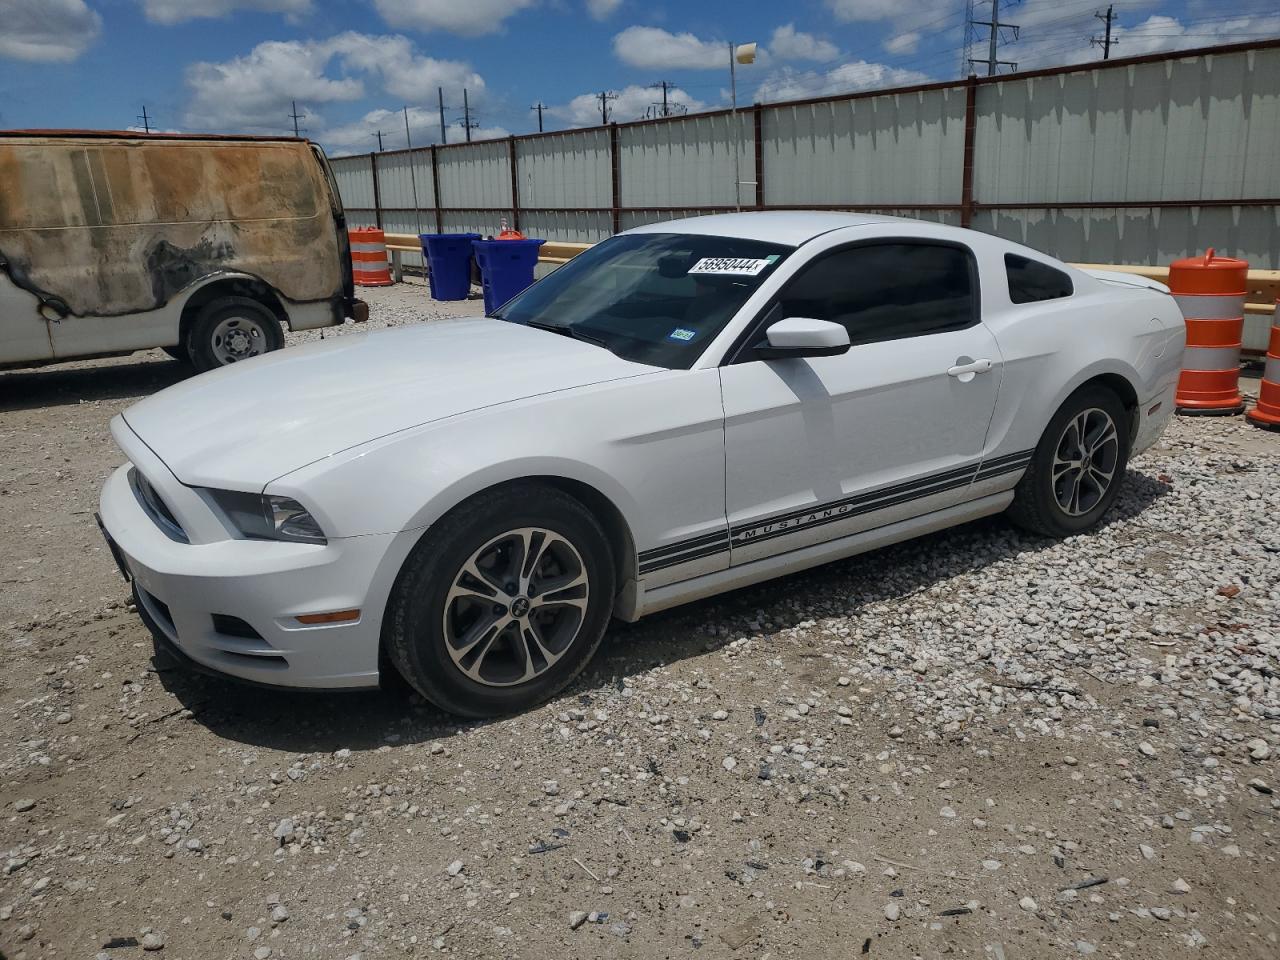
[{"x": 232, "y": 329}]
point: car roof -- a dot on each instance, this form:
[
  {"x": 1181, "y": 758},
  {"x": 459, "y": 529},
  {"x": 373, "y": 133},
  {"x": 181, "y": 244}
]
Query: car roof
[{"x": 791, "y": 227}]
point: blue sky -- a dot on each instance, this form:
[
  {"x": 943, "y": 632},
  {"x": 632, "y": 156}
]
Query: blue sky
[{"x": 235, "y": 65}]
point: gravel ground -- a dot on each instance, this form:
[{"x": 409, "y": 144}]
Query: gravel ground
[{"x": 978, "y": 744}]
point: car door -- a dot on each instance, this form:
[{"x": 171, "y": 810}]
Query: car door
[{"x": 825, "y": 447}]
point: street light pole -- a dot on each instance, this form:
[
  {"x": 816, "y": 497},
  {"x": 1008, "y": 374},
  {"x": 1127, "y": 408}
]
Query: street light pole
[{"x": 744, "y": 54}]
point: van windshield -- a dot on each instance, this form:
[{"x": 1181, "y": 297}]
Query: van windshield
[{"x": 654, "y": 298}]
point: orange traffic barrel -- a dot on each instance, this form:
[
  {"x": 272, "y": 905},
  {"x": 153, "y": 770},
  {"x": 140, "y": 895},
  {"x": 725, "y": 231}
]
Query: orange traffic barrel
[
  {"x": 1210, "y": 291},
  {"x": 369, "y": 257},
  {"x": 1267, "y": 412}
]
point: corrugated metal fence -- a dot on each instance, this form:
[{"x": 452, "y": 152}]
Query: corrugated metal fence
[{"x": 1141, "y": 160}]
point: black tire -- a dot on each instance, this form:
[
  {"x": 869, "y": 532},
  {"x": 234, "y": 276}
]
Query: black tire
[
  {"x": 419, "y": 612},
  {"x": 178, "y": 352},
  {"x": 253, "y": 325},
  {"x": 1036, "y": 505}
]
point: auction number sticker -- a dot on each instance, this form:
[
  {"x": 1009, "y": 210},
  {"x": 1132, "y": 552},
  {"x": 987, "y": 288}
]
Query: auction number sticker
[{"x": 732, "y": 266}]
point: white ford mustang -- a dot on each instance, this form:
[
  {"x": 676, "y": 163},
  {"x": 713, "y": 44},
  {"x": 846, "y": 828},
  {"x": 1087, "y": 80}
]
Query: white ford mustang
[{"x": 685, "y": 408}]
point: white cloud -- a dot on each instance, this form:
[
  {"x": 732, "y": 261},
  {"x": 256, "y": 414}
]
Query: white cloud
[
  {"x": 903, "y": 43},
  {"x": 789, "y": 44},
  {"x": 632, "y": 103},
  {"x": 603, "y": 9},
  {"x": 405, "y": 74},
  {"x": 470, "y": 18},
  {"x": 176, "y": 11},
  {"x": 255, "y": 92},
  {"x": 789, "y": 84},
  {"x": 658, "y": 49},
  {"x": 46, "y": 30}
]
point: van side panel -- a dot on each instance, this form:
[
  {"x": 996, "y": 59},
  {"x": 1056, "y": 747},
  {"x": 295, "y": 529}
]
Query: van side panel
[{"x": 105, "y": 228}]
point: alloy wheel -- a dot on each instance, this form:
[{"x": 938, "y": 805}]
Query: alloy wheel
[
  {"x": 516, "y": 606},
  {"x": 1084, "y": 461}
]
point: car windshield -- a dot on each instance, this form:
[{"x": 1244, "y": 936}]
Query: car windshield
[{"x": 655, "y": 298}]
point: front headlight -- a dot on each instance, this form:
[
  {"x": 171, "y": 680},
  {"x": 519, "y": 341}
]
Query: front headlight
[{"x": 260, "y": 516}]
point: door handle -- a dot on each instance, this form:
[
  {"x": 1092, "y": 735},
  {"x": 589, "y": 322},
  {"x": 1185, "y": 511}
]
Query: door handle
[{"x": 965, "y": 371}]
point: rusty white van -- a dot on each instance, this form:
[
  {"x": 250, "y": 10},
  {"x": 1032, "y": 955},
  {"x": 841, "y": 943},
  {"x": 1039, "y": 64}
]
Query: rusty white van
[{"x": 205, "y": 246}]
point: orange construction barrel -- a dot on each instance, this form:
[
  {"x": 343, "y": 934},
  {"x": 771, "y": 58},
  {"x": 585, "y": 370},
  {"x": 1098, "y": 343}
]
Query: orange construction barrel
[
  {"x": 1267, "y": 412},
  {"x": 369, "y": 257},
  {"x": 1210, "y": 291}
]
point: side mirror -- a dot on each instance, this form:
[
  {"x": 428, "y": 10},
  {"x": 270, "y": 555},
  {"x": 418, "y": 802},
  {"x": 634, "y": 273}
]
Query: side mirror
[{"x": 797, "y": 337}]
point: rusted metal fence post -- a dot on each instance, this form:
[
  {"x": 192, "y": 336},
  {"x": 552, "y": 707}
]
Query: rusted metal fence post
[
  {"x": 615, "y": 178},
  {"x": 377, "y": 193},
  {"x": 970, "y": 128},
  {"x": 435, "y": 189}
]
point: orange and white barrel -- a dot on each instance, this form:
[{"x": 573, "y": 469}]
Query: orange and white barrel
[
  {"x": 1267, "y": 412},
  {"x": 369, "y": 266},
  {"x": 1210, "y": 291}
]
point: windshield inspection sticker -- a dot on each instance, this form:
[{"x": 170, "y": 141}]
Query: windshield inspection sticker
[
  {"x": 733, "y": 266},
  {"x": 681, "y": 333}
]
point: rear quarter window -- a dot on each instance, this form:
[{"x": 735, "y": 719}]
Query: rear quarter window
[{"x": 1032, "y": 282}]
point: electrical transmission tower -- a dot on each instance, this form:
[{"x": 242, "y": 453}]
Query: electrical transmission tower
[
  {"x": 144, "y": 120},
  {"x": 998, "y": 31},
  {"x": 604, "y": 96},
  {"x": 467, "y": 121},
  {"x": 1105, "y": 41},
  {"x": 666, "y": 108}
]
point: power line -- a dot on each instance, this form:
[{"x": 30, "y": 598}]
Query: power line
[
  {"x": 604, "y": 96},
  {"x": 994, "y": 37}
]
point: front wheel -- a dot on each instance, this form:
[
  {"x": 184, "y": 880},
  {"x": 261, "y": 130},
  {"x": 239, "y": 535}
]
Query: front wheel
[
  {"x": 1076, "y": 471},
  {"x": 502, "y": 603},
  {"x": 232, "y": 329}
]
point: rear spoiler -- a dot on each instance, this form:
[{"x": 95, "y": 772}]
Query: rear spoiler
[{"x": 1126, "y": 279}]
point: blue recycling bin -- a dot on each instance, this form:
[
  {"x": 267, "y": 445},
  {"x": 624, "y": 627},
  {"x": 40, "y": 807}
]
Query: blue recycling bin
[
  {"x": 448, "y": 258},
  {"x": 506, "y": 268}
]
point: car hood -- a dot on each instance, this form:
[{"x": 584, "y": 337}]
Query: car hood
[{"x": 242, "y": 426}]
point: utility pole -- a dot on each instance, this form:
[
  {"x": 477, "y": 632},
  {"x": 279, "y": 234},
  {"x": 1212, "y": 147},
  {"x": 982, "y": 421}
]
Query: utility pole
[
  {"x": 467, "y": 125},
  {"x": 297, "y": 131},
  {"x": 378, "y": 134},
  {"x": 994, "y": 26},
  {"x": 145, "y": 120},
  {"x": 413, "y": 178},
  {"x": 539, "y": 106},
  {"x": 444, "y": 136},
  {"x": 1105, "y": 42},
  {"x": 666, "y": 108},
  {"x": 604, "y": 96}
]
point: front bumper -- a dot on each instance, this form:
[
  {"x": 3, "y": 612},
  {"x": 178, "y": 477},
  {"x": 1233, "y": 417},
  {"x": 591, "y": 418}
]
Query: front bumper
[{"x": 231, "y": 605}]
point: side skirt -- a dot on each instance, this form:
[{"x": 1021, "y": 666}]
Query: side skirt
[{"x": 766, "y": 568}]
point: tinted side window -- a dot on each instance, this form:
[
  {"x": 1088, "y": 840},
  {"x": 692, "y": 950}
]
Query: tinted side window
[
  {"x": 1031, "y": 282},
  {"x": 886, "y": 291}
]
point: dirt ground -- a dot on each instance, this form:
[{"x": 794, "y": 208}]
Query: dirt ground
[{"x": 812, "y": 767}]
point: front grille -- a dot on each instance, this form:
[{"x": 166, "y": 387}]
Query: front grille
[{"x": 155, "y": 507}]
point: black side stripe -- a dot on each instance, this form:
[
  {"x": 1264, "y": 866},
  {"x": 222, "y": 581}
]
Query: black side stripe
[
  {"x": 682, "y": 545},
  {"x": 708, "y": 545},
  {"x": 962, "y": 473}
]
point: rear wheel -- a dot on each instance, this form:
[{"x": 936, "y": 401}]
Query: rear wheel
[
  {"x": 1076, "y": 471},
  {"x": 232, "y": 329},
  {"x": 503, "y": 602}
]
